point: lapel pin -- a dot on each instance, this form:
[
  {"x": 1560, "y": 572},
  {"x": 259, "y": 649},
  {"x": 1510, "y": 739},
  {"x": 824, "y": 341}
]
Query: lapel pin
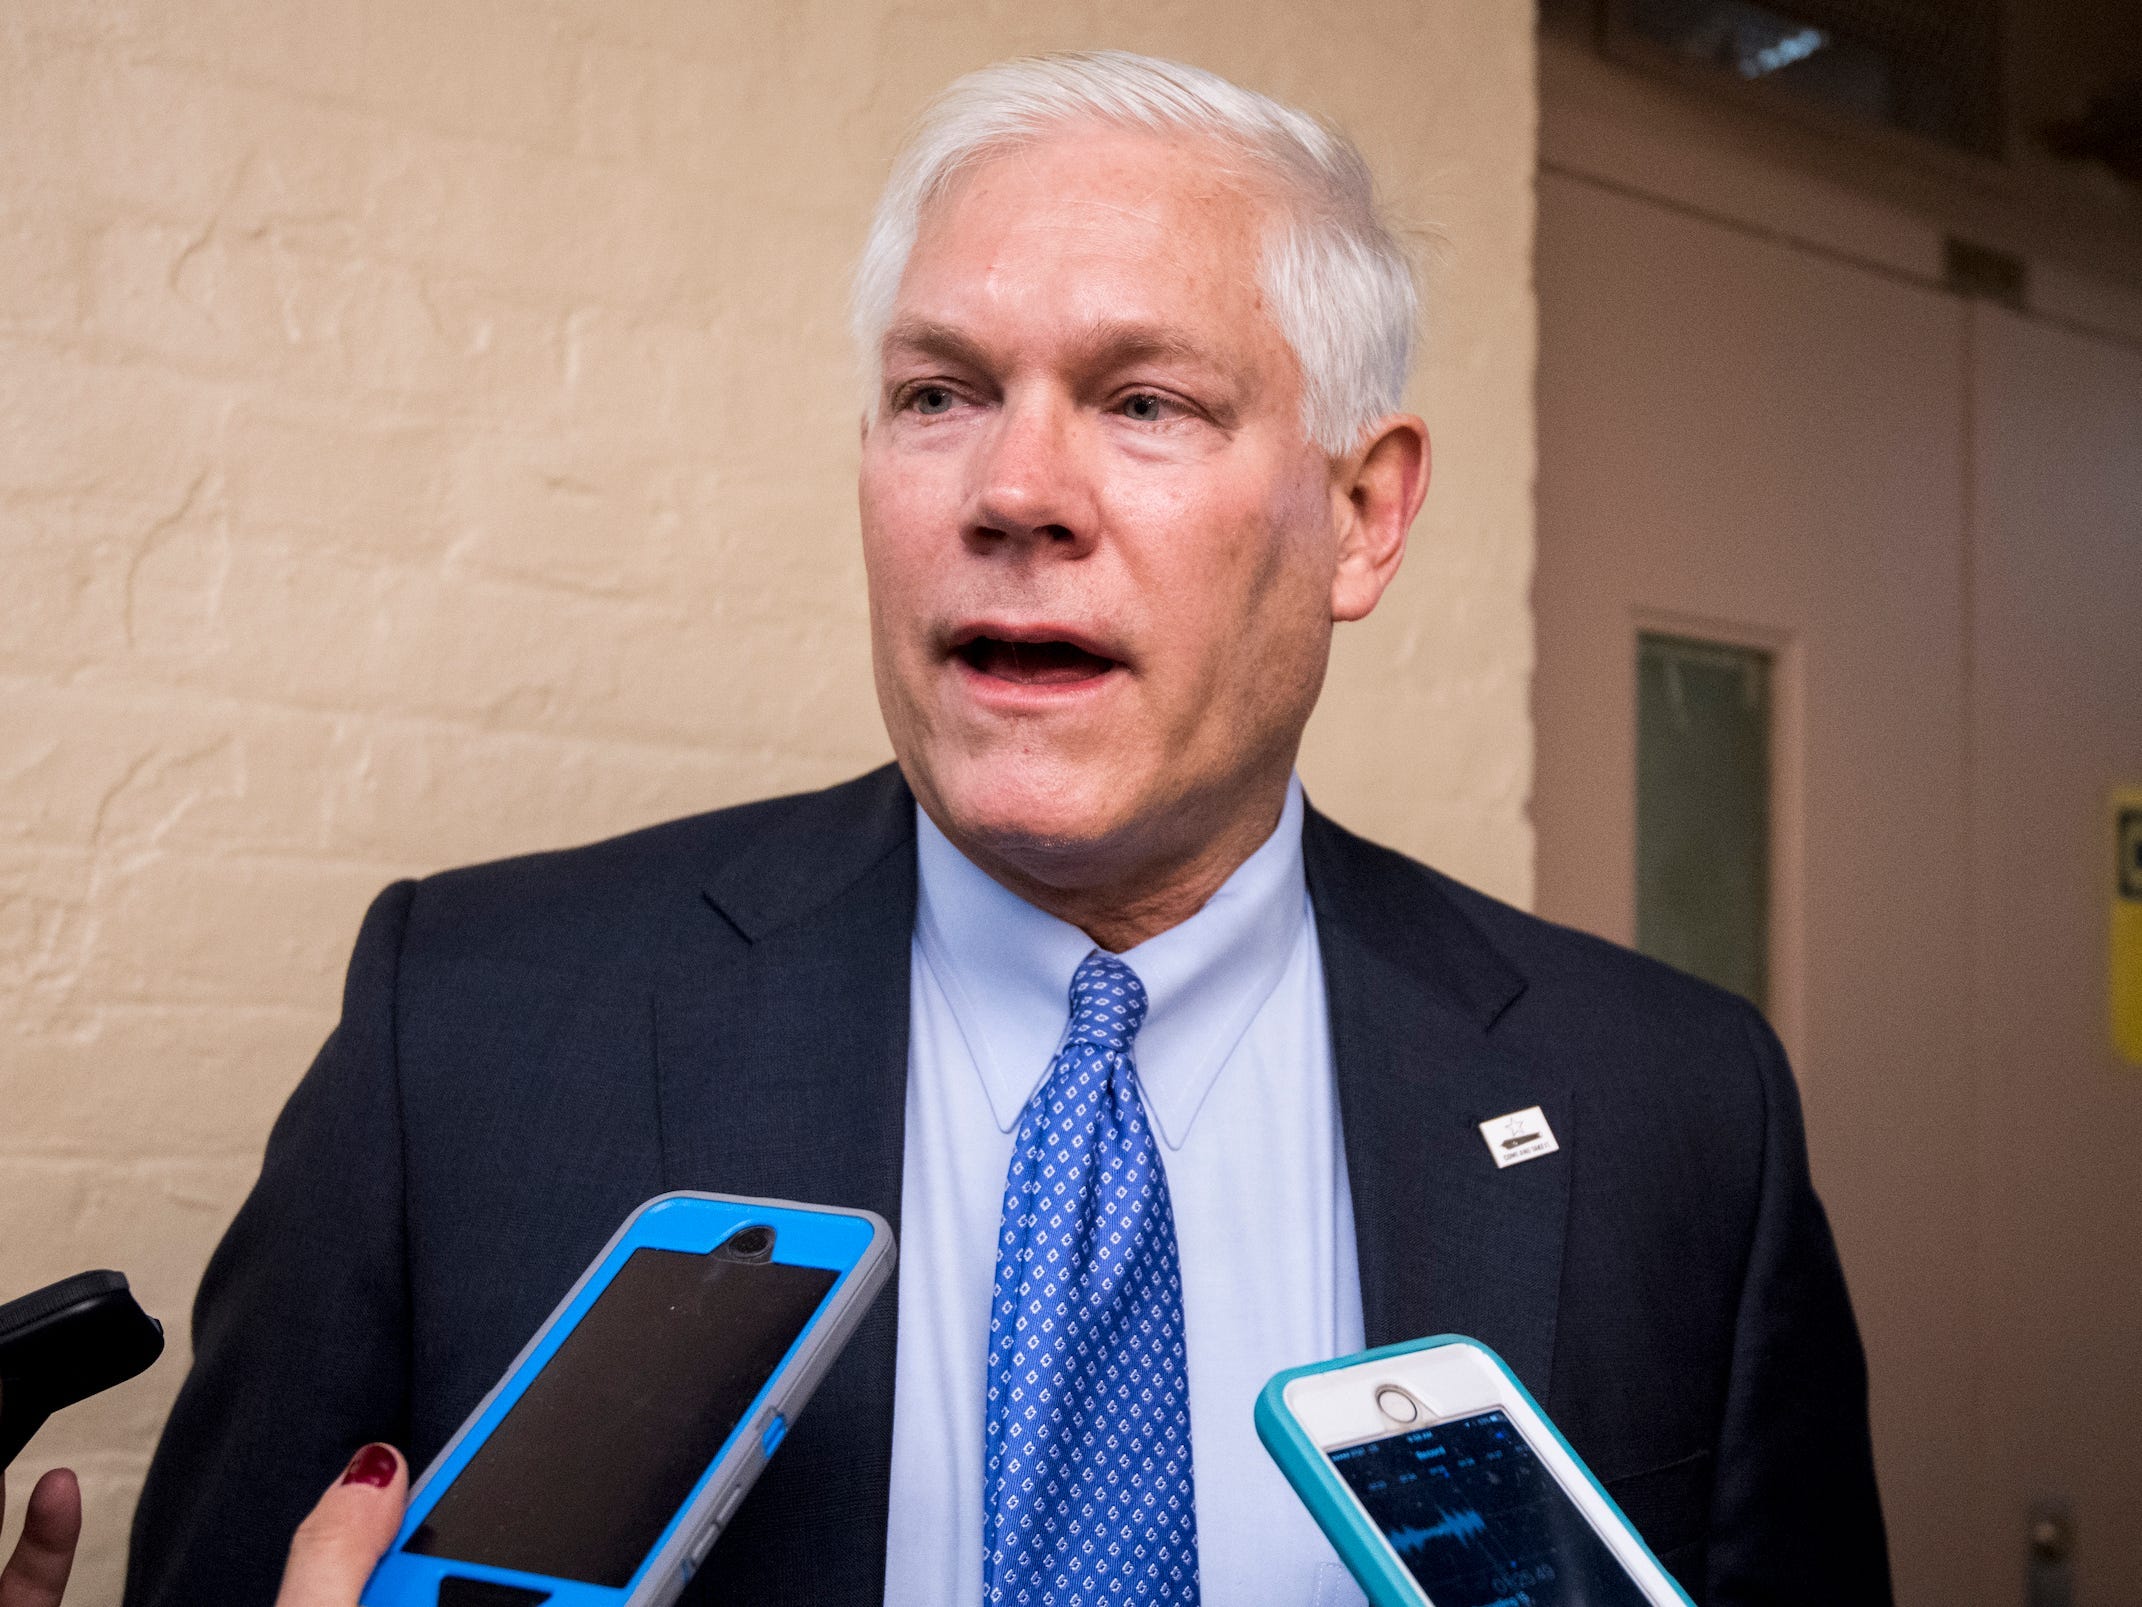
[{"x": 1523, "y": 1135}]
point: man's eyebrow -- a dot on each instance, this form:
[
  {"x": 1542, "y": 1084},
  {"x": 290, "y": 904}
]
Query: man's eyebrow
[
  {"x": 1108, "y": 343},
  {"x": 1123, "y": 340},
  {"x": 930, "y": 339}
]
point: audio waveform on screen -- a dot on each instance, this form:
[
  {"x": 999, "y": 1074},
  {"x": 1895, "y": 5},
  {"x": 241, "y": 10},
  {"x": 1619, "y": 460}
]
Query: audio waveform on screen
[{"x": 1462, "y": 1526}]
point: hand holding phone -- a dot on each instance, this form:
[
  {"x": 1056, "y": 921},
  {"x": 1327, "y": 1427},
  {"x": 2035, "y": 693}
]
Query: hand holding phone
[
  {"x": 1441, "y": 1483},
  {"x": 347, "y": 1531},
  {"x": 330, "y": 1556}
]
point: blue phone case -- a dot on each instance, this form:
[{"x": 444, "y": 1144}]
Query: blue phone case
[
  {"x": 1360, "y": 1545},
  {"x": 855, "y": 1244}
]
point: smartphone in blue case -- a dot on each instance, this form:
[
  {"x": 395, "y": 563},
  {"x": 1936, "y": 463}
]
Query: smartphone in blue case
[
  {"x": 1441, "y": 1483},
  {"x": 606, "y": 1462}
]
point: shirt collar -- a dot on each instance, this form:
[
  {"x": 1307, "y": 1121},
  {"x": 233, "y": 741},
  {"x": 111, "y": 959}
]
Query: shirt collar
[{"x": 1006, "y": 967}]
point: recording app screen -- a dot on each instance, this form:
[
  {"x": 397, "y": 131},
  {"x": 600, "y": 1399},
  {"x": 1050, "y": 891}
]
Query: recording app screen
[
  {"x": 582, "y": 1475},
  {"x": 1480, "y": 1521}
]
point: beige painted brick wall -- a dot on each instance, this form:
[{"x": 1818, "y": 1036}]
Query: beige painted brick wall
[{"x": 426, "y": 433}]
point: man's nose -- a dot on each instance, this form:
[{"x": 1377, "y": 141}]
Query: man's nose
[{"x": 1032, "y": 479}]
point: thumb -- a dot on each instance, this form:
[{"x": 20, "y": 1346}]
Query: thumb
[{"x": 334, "y": 1549}]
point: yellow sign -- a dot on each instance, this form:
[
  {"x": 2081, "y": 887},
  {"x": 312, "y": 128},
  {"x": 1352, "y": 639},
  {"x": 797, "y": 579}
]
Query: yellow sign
[{"x": 2127, "y": 925}]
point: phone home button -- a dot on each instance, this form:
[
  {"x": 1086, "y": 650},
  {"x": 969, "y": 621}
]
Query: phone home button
[
  {"x": 1397, "y": 1405},
  {"x": 457, "y": 1590}
]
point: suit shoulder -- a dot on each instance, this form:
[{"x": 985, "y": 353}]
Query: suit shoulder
[
  {"x": 618, "y": 905},
  {"x": 1566, "y": 959},
  {"x": 1580, "y": 993}
]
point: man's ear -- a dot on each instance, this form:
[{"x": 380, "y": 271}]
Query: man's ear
[{"x": 1378, "y": 488}]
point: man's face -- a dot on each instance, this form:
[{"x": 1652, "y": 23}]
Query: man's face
[{"x": 1100, "y": 546}]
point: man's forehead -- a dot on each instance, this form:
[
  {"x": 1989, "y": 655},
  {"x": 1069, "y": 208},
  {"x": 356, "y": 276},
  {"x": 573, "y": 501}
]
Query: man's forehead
[
  {"x": 1093, "y": 185},
  {"x": 1121, "y": 237}
]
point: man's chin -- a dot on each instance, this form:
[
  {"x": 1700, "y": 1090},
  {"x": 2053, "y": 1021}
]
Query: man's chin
[{"x": 1050, "y": 822}]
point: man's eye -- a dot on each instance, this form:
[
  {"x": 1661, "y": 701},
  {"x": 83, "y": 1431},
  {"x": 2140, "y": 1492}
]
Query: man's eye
[
  {"x": 1145, "y": 408},
  {"x": 931, "y": 399}
]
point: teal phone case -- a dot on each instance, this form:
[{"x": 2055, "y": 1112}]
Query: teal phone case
[{"x": 1359, "y": 1545}]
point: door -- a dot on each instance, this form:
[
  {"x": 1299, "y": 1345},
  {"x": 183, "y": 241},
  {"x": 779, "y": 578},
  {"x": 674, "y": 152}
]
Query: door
[
  {"x": 2057, "y": 702},
  {"x": 1748, "y": 444}
]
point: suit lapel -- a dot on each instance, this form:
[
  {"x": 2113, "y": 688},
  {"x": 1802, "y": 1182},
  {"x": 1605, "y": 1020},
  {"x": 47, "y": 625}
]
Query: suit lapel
[
  {"x": 1447, "y": 1242},
  {"x": 782, "y": 1044}
]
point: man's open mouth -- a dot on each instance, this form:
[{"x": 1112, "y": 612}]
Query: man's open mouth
[{"x": 1045, "y": 663}]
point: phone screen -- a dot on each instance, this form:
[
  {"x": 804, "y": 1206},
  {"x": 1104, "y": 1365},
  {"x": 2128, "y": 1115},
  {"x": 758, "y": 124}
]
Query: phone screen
[
  {"x": 581, "y": 1476},
  {"x": 1480, "y": 1521}
]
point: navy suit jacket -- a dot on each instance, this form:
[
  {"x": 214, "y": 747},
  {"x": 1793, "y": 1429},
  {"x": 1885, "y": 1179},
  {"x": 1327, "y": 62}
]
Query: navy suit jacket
[{"x": 529, "y": 1049}]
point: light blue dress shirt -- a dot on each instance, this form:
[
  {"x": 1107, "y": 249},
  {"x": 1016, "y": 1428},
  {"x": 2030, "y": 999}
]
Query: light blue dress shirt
[{"x": 1234, "y": 1062}]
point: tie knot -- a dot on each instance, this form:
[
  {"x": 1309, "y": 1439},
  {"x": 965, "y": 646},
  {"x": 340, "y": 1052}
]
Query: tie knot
[{"x": 1107, "y": 1003}]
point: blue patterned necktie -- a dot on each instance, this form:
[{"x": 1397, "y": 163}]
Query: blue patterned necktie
[{"x": 1087, "y": 1461}]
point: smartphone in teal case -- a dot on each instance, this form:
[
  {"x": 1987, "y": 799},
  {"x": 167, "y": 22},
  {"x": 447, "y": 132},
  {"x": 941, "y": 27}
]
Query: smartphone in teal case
[{"x": 1441, "y": 1483}]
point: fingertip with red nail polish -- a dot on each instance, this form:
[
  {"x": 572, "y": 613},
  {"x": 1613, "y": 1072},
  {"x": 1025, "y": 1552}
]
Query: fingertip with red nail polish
[{"x": 374, "y": 1465}]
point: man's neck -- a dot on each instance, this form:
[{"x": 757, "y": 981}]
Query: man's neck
[{"x": 1121, "y": 908}]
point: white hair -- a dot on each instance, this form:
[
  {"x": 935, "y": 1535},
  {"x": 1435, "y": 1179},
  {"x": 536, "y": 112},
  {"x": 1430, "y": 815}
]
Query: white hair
[{"x": 1338, "y": 281}]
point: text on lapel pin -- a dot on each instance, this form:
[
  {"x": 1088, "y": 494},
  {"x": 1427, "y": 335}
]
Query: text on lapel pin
[{"x": 1523, "y": 1135}]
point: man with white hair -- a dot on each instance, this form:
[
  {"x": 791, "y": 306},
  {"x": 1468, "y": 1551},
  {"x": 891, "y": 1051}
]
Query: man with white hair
[{"x": 1135, "y": 340}]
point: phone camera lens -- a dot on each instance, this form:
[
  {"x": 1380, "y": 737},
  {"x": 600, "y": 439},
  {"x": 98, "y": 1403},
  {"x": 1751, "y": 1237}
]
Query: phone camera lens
[{"x": 750, "y": 1244}]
